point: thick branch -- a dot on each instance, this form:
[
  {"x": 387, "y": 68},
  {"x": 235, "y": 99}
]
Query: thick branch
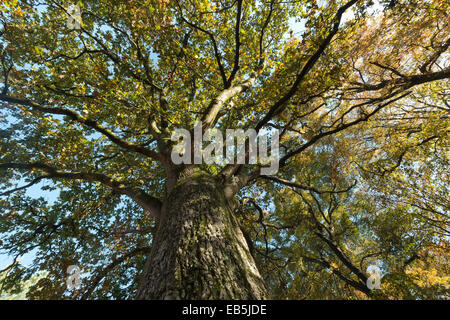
[
  {"x": 357, "y": 285},
  {"x": 321, "y": 135},
  {"x": 340, "y": 255},
  {"x": 87, "y": 122},
  {"x": 143, "y": 199},
  {"x": 278, "y": 106},
  {"x": 216, "y": 104},
  {"x": 404, "y": 82}
]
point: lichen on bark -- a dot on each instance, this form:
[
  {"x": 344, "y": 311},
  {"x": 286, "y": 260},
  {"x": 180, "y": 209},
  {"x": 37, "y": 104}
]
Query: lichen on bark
[{"x": 199, "y": 251}]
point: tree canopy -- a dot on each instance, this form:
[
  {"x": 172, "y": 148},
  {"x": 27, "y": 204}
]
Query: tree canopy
[{"x": 357, "y": 90}]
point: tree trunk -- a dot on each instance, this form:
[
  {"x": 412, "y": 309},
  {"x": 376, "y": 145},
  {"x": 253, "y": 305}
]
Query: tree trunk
[{"x": 199, "y": 251}]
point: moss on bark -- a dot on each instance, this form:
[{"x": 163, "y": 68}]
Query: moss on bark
[{"x": 199, "y": 251}]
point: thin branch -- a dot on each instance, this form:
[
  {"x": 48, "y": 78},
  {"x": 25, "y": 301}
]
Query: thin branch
[
  {"x": 305, "y": 187},
  {"x": 214, "y": 43},
  {"x": 104, "y": 272},
  {"x": 237, "y": 44}
]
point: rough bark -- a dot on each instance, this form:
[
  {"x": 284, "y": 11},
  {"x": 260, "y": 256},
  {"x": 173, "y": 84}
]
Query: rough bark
[{"x": 199, "y": 251}]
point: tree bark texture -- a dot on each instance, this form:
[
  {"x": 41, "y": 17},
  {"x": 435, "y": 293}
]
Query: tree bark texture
[{"x": 199, "y": 251}]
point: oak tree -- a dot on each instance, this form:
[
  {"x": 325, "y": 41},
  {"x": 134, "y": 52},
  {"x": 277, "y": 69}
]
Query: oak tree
[{"x": 357, "y": 90}]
